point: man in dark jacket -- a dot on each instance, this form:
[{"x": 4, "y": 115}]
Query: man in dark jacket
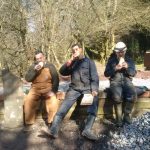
[
  {"x": 120, "y": 69},
  {"x": 45, "y": 81},
  {"x": 84, "y": 80}
]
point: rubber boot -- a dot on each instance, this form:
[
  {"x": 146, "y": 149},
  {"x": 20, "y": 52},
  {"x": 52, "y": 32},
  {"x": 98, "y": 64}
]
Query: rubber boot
[
  {"x": 53, "y": 130},
  {"x": 127, "y": 112},
  {"x": 118, "y": 112},
  {"x": 87, "y": 129}
]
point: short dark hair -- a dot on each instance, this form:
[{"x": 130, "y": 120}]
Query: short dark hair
[
  {"x": 77, "y": 44},
  {"x": 38, "y": 52}
]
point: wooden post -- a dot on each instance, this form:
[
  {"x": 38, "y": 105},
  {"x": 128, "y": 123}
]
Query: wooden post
[{"x": 13, "y": 100}]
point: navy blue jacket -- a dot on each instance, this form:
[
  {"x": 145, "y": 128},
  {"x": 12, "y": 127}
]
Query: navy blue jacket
[
  {"x": 121, "y": 74},
  {"x": 83, "y": 73}
]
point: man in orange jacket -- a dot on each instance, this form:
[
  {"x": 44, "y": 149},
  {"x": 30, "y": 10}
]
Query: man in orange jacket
[{"x": 45, "y": 82}]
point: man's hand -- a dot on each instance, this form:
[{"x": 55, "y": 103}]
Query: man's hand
[
  {"x": 39, "y": 66},
  {"x": 94, "y": 93},
  {"x": 118, "y": 67},
  {"x": 69, "y": 62},
  {"x": 124, "y": 65},
  {"x": 74, "y": 57}
]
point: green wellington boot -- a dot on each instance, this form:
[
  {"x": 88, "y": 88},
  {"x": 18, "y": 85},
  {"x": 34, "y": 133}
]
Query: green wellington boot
[
  {"x": 127, "y": 112},
  {"x": 118, "y": 112},
  {"x": 87, "y": 129}
]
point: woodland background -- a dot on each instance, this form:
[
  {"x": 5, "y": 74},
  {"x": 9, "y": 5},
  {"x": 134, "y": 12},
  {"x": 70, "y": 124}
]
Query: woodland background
[{"x": 54, "y": 25}]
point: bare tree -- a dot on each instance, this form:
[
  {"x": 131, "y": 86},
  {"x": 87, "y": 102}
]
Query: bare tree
[
  {"x": 54, "y": 26},
  {"x": 13, "y": 34}
]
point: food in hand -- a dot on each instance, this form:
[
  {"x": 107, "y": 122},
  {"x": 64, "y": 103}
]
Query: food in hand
[
  {"x": 41, "y": 64},
  {"x": 121, "y": 61}
]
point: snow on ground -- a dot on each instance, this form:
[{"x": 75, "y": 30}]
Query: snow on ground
[
  {"x": 136, "y": 81},
  {"x": 141, "y": 82}
]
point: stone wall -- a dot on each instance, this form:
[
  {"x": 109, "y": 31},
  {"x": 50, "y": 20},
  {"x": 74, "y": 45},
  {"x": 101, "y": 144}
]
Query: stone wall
[{"x": 13, "y": 100}]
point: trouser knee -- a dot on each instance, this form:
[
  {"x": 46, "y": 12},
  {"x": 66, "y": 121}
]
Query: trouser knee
[
  {"x": 117, "y": 99},
  {"x": 131, "y": 99}
]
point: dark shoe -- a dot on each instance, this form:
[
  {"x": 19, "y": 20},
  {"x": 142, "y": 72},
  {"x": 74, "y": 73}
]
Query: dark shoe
[
  {"x": 53, "y": 133},
  {"x": 49, "y": 125},
  {"x": 89, "y": 135},
  {"x": 53, "y": 130}
]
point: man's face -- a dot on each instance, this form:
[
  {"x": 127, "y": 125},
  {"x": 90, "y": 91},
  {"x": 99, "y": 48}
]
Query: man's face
[
  {"x": 40, "y": 57},
  {"x": 76, "y": 51},
  {"x": 120, "y": 53}
]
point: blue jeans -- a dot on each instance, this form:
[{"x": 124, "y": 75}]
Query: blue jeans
[
  {"x": 123, "y": 91},
  {"x": 71, "y": 97}
]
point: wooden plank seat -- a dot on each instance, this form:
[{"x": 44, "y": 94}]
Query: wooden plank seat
[{"x": 105, "y": 106}]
